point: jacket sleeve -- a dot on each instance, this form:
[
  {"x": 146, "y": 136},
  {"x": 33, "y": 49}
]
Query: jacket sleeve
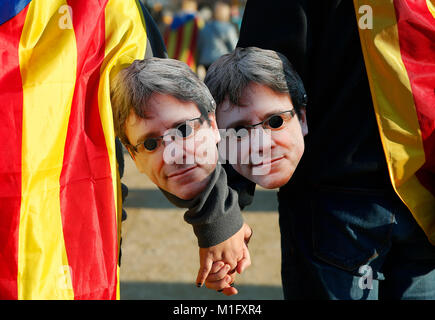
[{"x": 215, "y": 213}]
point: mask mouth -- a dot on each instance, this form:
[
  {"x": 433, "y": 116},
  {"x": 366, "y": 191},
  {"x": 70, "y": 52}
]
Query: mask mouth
[
  {"x": 182, "y": 171},
  {"x": 268, "y": 161}
]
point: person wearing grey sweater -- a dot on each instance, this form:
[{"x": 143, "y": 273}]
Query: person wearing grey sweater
[{"x": 164, "y": 115}]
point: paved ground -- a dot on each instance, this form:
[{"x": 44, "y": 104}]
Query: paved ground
[{"x": 160, "y": 254}]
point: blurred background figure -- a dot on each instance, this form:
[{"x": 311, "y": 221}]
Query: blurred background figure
[
  {"x": 181, "y": 36},
  {"x": 218, "y": 37},
  {"x": 237, "y": 10},
  {"x": 181, "y": 23},
  {"x": 205, "y": 12},
  {"x": 161, "y": 12},
  {"x": 167, "y": 17}
]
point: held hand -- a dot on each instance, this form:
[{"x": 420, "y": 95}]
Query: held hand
[
  {"x": 220, "y": 280},
  {"x": 233, "y": 251}
]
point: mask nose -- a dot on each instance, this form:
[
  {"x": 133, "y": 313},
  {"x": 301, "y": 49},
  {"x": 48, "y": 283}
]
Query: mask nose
[
  {"x": 261, "y": 145},
  {"x": 179, "y": 151}
]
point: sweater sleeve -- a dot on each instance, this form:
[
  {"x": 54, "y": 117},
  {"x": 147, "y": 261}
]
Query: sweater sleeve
[{"x": 215, "y": 213}]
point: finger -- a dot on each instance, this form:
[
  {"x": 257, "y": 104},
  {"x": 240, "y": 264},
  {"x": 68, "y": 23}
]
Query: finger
[
  {"x": 204, "y": 270},
  {"x": 245, "y": 262},
  {"x": 216, "y": 266},
  {"x": 232, "y": 279},
  {"x": 219, "y": 284},
  {"x": 218, "y": 275},
  {"x": 230, "y": 291},
  {"x": 233, "y": 260}
]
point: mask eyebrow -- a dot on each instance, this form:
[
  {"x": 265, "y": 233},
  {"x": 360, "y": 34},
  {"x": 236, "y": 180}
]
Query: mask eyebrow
[
  {"x": 245, "y": 122},
  {"x": 176, "y": 124},
  {"x": 271, "y": 113},
  {"x": 157, "y": 134},
  {"x": 142, "y": 138}
]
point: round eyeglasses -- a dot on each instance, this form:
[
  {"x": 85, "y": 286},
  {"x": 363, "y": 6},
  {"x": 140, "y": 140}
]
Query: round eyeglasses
[
  {"x": 274, "y": 122},
  {"x": 184, "y": 130}
]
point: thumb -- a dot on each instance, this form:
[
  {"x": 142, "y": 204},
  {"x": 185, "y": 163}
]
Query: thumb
[
  {"x": 247, "y": 234},
  {"x": 245, "y": 262}
]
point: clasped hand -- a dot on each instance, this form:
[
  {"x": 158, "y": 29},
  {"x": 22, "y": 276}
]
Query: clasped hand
[{"x": 219, "y": 264}]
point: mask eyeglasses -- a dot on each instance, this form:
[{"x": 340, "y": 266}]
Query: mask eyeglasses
[
  {"x": 274, "y": 122},
  {"x": 184, "y": 130}
]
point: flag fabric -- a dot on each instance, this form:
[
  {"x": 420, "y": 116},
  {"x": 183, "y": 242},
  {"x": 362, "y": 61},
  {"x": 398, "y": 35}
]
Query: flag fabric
[
  {"x": 60, "y": 207},
  {"x": 399, "y": 54},
  {"x": 181, "y": 38}
]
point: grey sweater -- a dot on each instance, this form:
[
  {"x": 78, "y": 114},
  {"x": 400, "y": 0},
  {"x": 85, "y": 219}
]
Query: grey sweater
[{"x": 215, "y": 213}]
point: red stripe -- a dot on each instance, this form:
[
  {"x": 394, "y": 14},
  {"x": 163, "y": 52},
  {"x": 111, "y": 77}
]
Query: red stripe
[
  {"x": 166, "y": 36},
  {"x": 179, "y": 37},
  {"x": 11, "y": 122},
  {"x": 191, "y": 57},
  {"x": 86, "y": 195},
  {"x": 416, "y": 28}
]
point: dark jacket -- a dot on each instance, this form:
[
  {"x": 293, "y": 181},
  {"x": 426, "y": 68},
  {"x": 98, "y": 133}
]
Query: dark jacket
[{"x": 320, "y": 38}]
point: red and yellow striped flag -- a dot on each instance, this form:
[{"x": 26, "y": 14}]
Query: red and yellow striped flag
[
  {"x": 399, "y": 53},
  {"x": 60, "y": 204},
  {"x": 181, "y": 39}
]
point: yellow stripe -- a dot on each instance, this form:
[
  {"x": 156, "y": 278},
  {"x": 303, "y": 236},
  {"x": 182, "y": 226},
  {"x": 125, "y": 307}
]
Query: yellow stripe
[
  {"x": 431, "y": 7},
  {"x": 171, "y": 45},
  {"x": 125, "y": 42},
  {"x": 187, "y": 38},
  {"x": 48, "y": 61},
  {"x": 395, "y": 111}
]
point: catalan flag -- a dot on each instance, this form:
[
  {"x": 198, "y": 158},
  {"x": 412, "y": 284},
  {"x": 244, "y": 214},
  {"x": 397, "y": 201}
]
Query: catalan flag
[
  {"x": 60, "y": 194},
  {"x": 399, "y": 54},
  {"x": 181, "y": 38}
]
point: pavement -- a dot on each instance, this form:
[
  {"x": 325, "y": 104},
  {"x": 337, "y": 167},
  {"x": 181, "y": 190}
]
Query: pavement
[{"x": 160, "y": 252}]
